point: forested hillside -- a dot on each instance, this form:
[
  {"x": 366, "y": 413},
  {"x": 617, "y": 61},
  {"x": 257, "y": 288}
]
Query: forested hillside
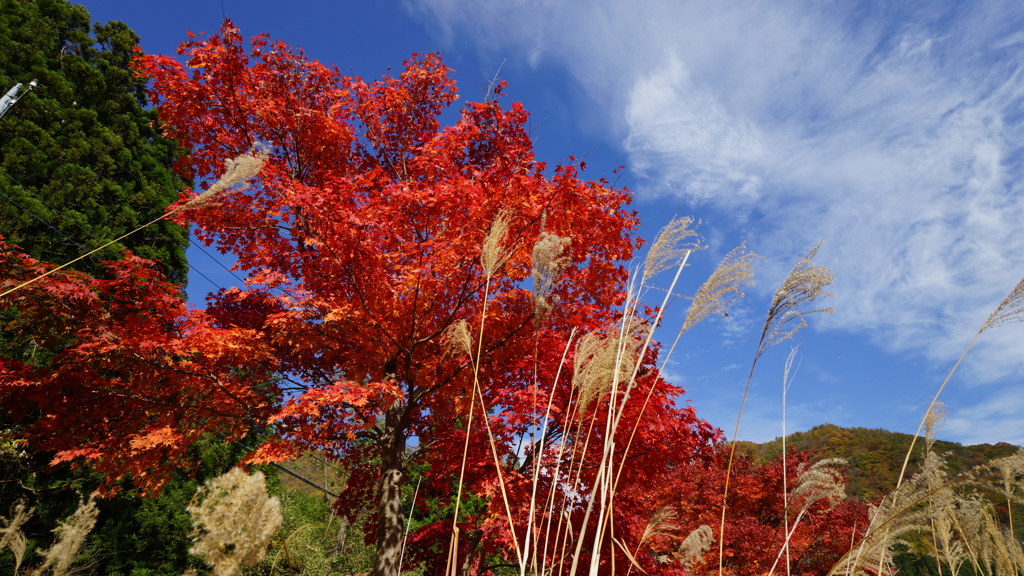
[{"x": 875, "y": 455}]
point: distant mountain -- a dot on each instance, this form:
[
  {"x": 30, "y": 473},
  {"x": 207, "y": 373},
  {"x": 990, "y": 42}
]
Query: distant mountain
[{"x": 875, "y": 455}]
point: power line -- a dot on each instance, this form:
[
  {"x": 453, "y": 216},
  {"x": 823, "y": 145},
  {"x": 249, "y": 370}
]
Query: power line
[{"x": 34, "y": 215}]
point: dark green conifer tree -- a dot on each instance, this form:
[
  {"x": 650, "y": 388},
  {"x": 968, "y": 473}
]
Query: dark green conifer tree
[
  {"x": 80, "y": 152},
  {"x": 82, "y": 162}
]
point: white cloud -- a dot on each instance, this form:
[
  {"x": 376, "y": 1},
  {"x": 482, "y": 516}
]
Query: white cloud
[
  {"x": 686, "y": 139},
  {"x": 894, "y": 132},
  {"x": 999, "y": 417}
]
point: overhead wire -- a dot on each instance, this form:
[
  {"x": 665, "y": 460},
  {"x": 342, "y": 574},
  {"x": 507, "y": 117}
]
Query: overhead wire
[{"x": 33, "y": 214}]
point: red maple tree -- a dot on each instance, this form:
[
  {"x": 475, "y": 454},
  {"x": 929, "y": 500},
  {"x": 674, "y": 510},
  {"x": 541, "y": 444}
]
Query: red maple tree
[
  {"x": 402, "y": 279},
  {"x": 122, "y": 374},
  {"x": 364, "y": 243},
  {"x": 823, "y": 524}
]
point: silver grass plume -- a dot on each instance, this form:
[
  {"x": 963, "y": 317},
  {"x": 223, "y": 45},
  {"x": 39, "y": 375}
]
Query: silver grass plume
[
  {"x": 963, "y": 525},
  {"x": 821, "y": 481},
  {"x": 660, "y": 524},
  {"x": 805, "y": 283},
  {"x": 494, "y": 253},
  {"x": 603, "y": 359},
  {"x": 237, "y": 171},
  {"x": 457, "y": 339},
  {"x": 548, "y": 262},
  {"x": 724, "y": 287},
  {"x": 933, "y": 422},
  {"x": 11, "y": 536},
  {"x": 233, "y": 519},
  {"x": 71, "y": 534},
  {"x": 1010, "y": 310},
  {"x": 692, "y": 549},
  {"x": 671, "y": 246}
]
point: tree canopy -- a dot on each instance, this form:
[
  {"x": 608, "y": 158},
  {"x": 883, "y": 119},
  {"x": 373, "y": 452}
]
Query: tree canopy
[{"x": 82, "y": 159}]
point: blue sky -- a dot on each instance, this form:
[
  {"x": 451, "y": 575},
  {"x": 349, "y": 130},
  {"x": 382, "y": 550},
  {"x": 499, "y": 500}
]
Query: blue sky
[{"x": 892, "y": 130}]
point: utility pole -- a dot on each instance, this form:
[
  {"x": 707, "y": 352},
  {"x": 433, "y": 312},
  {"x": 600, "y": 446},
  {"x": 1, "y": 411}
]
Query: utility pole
[{"x": 13, "y": 95}]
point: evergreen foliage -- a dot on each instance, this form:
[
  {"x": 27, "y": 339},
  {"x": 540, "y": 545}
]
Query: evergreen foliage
[{"x": 81, "y": 152}]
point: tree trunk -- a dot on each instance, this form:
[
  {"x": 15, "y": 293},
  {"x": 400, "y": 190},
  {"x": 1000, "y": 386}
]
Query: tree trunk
[
  {"x": 339, "y": 538},
  {"x": 471, "y": 551},
  {"x": 390, "y": 525}
]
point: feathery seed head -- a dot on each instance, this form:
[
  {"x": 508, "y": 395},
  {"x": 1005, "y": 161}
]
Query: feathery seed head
[
  {"x": 494, "y": 253},
  {"x": 1010, "y": 310},
  {"x": 233, "y": 520},
  {"x": 602, "y": 360},
  {"x": 933, "y": 422},
  {"x": 723, "y": 287},
  {"x": 457, "y": 339},
  {"x": 696, "y": 544},
  {"x": 71, "y": 535},
  {"x": 548, "y": 262},
  {"x": 822, "y": 481},
  {"x": 804, "y": 284},
  {"x": 660, "y": 524},
  {"x": 671, "y": 246},
  {"x": 237, "y": 171},
  {"x": 11, "y": 535}
]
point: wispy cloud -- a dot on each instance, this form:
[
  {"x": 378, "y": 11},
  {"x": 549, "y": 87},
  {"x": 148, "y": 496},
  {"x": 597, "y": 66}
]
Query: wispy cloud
[
  {"x": 894, "y": 133},
  {"x": 993, "y": 417}
]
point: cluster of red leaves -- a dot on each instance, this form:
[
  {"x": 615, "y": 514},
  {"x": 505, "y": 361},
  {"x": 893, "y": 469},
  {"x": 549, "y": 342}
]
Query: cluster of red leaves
[
  {"x": 134, "y": 378},
  {"x": 754, "y": 526}
]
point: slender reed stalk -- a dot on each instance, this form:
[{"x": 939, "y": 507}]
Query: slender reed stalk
[
  {"x": 408, "y": 523},
  {"x": 803, "y": 285},
  {"x": 1010, "y": 310},
  {"x": 538, "y": 455},
  {"x": 493, "y": 255},
  {"x": 786, "y": 382}
]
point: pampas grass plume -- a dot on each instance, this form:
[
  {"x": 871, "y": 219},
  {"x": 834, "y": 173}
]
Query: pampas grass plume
[
  {"x": 71, "y": 535},
  {"x": 233, "y": 520}
]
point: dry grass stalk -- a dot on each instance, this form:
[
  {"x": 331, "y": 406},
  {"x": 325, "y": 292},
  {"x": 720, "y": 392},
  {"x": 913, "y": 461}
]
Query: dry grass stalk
[
  {"x": 11, "y": 536},
  {"x": 548, "y": 261},
  {"x": 963, "y": 526},
  {"x": 237, "y": 171},
  {"x": 1011, "y": 472},
  {"x": 1010, "y": 310},
  {"x": 724, "y": 287},
  {"x": 233, "y": 519},
  {"x": 671, "y": 246},
  {"x": 71, "y": 535},
  {"x": 494, "y": 253},
  {"x": 821, "y": 481},
  {"x": 805, "y": 283}
]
